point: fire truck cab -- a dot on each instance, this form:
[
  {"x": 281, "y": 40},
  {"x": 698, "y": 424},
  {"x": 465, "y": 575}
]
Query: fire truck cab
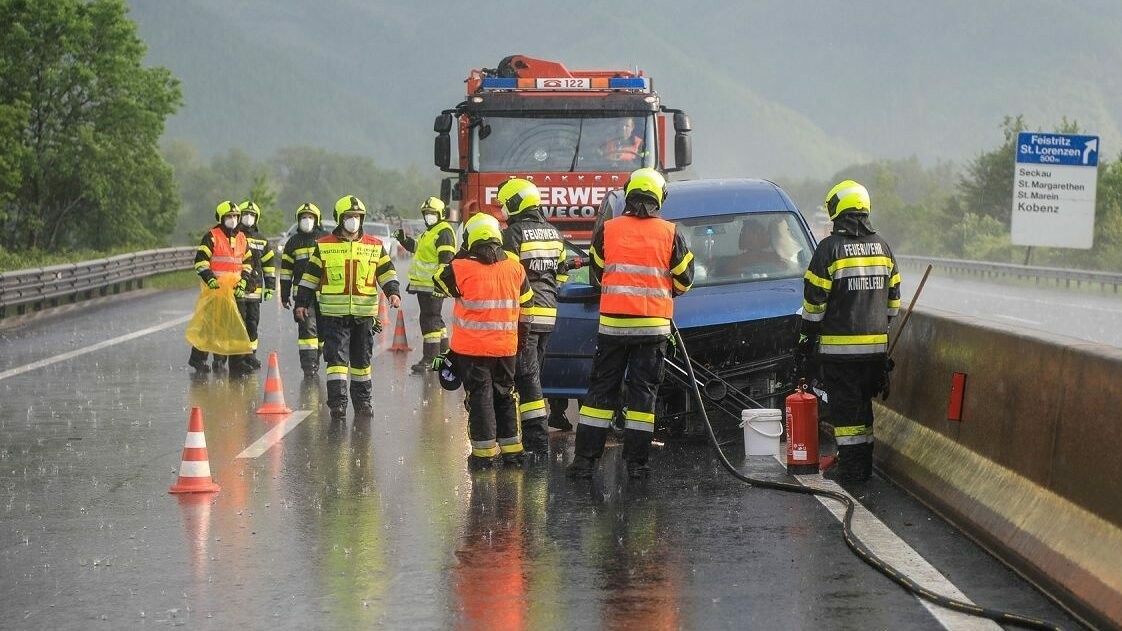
[{"x": 575, "y": 134}]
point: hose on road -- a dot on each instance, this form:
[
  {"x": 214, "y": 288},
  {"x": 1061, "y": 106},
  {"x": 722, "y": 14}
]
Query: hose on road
[{"x": 860, "y": 549}]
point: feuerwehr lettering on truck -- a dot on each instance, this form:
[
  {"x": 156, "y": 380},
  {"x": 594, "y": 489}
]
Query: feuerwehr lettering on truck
[{"x": 562, "y": 202}]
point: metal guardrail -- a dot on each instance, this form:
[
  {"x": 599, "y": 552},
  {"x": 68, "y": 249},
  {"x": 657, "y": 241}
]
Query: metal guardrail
[
  {"x": 32, "y": 289},
  {"x": 985, "y": 269}
]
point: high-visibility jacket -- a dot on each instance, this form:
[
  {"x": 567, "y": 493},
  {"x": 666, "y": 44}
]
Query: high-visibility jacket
[
  {"x": 641, "y": 263},
  {"x": 435, "y": 247},
  {"x": 219, "y": 254},
  {"x": 541, "y": 249},
  {"x": 851, "y": 290},
  {"x": 489, "y": 299},
  {"x": 347, "y": 275},
  {"x": 624, "y": 150},
  {"x": 297, "y": 250},
  {"x": 264, "y": 268}
]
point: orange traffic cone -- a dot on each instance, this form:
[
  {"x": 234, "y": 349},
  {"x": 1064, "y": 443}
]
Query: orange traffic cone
[
  {"x": 400, "y": 342},
  {"x": 194, "y": 471},
  {"x": 274, "y": 391}
]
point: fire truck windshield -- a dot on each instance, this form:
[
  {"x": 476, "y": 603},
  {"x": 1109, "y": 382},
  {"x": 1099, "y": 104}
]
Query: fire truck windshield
[{"x": 527, "y": 144}]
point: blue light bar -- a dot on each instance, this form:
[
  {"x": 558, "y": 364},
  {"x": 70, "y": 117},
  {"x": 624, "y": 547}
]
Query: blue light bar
[
  {"x": 624, "y": 83},
  {"x": 499, "y": 83}
]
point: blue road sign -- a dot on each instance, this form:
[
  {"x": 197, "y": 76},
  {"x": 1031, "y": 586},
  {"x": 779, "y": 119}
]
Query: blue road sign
[{"x": 1057, "y": 149}]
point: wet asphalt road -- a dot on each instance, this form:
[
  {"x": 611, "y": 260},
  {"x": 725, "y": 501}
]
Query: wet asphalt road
[{"x": 380, "y": 524}]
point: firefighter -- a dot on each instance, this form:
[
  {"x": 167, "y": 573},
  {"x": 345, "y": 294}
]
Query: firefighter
[
  {"x": 297, "y": 250},
  {"x": 851, "y": 293},
  {"x": 433, "y": 249},
  {"x": 223, "y": 250},
  {"x": 540, "y": 248},
  {"x": 345, "y": 269},
  {"x": 492, "y": 293},
  {"x": 626, "y": 147},
  {"x": 260, "y": 285},
  {"x": 641, "y": 262}
]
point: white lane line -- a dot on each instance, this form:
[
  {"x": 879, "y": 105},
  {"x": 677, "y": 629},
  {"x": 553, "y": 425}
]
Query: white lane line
[
  {"x": 274, "y": 436},
  {"x": 12, "y": 372},
  {"x": 1016, "y": 319},
  {"x": 896, "y": 552}
]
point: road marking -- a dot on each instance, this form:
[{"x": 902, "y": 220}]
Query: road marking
[
  {"x": 12, "y": 372},
  {"x": 274, "y": 436},
  {"x": 896, "y": 552},
  {"x": 1016, "y": 319}
]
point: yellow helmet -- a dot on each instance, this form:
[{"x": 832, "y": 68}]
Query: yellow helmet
[
  {"x": 434, "y": 204},
  {"x": 847, "y": 195},
  {"x": 348, "y": 203},
  {"x": 225, "y": 208},
  {"x": 648, "y": 182},
  {"x": 249, "y": 207},
  {"x": 308, "y": 207},
  {"x": 481, "y": 227},
  {"x": 517, "y": 195}
]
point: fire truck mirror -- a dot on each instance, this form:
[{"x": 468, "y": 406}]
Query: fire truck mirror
[
  {"x": 683, "y": 150},
  {"x": 443, "y": 123},
  {"x": 682, "y": 122},
  {"x": 442, "y": 151}
]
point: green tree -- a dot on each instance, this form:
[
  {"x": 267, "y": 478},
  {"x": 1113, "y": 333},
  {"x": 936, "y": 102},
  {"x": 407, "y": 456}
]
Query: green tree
[{"x": 87, "y": 117}]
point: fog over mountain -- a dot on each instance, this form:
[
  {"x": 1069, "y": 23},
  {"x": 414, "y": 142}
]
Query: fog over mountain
[{"x": 775, "y": 88}]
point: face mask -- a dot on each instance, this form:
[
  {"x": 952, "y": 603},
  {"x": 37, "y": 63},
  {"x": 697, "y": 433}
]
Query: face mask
[
  {"x": 430, "y": 220},
  {"x": 230, "y": 222},
  {"x": 351, "y": 224},
  {"x": 248, "y": 220},
  {"x": 306, "y": 224}
]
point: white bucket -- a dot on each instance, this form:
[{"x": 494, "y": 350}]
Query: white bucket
[{"x": 762, "y": 429}]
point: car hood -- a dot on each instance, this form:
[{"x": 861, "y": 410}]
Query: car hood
[{"x": 738, "y": 302}]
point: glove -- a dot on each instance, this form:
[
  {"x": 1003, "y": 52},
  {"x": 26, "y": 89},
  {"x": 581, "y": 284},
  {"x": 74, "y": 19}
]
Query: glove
[
  {"x": 286, "y": 302},
  {"x": 299, "y": 314},
  {"x": 212, "y": 283},
  {"x": 239, "y": 289},
  {"x": 399, "y": 234},
  {"x": 267, "y": 295},
  {"x": 376, "y": 325},
  {"x": 885, "y": 381},
  {"x": 438, "y": 361},
  {"x": 804, "y": 352}
]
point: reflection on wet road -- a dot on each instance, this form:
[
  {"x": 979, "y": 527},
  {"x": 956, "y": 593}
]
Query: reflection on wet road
[{"x": 380, "y": 524}]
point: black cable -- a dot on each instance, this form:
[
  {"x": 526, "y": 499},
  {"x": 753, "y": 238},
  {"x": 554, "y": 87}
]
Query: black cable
[{"x": 851, "y": 540}]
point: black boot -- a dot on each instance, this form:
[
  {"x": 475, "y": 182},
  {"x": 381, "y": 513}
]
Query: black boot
[
  {"x": 637, "y": 470},
  {"x": 428, "y": 353},
  {"x": 581, "y": 468}
]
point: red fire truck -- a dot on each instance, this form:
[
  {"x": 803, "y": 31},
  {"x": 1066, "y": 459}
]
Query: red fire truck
[{"x": 576, "y": 134}]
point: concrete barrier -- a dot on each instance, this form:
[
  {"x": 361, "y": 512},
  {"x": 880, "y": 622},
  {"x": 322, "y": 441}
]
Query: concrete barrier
[{"x": 1032, "y": 471}]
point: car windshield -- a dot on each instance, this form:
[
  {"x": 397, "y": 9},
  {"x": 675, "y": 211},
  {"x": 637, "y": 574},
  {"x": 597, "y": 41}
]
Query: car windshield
[
  {"x": 751, "y": 246},
  {"x": 542, "y": 144}
]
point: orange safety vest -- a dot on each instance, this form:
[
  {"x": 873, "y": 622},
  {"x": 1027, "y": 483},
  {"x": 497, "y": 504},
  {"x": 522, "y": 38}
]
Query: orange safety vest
[
  {"x": 227, "y": 259},
  {"x": 637, "y": 279},
  {"x": 621, "y": 150},
  {"x": 485, "y": 318}
]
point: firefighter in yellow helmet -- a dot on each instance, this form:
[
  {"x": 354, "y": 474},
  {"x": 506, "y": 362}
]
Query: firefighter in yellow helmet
[
  {"x": 492, "y": 294},
  {"x": 541, "y": 249},
  {"x": 342, "y": 276},
  {"x": 259, "y": 287},
  {"x": 641, "y": 262},
  {"x": 432, "y": 249},
  {"x": 851, "y": 293},
  {"x": 297, "y": 251},
  {"x": 223, "y": 251}
]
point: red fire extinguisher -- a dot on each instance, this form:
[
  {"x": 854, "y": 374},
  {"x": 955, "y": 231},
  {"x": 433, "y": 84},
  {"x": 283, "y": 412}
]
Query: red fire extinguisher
[{"x": 802, "y": 431}]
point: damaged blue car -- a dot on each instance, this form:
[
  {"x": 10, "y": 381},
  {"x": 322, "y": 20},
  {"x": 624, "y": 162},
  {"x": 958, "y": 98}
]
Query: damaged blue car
[{"x": 751, "y": 248}]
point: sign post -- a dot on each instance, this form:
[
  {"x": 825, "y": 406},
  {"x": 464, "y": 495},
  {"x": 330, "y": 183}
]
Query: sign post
[{"x": 1054, "y": 182}]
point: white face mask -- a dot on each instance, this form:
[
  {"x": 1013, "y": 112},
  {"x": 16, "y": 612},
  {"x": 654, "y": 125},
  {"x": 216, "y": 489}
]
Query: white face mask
[
  {"x": 430, "y": 219},
  {"x": 248, "y": 220},
  {"x": 351, "y": 224},
  {"x": 230, "y": 222},
  {"x": 306, "y": 224}
]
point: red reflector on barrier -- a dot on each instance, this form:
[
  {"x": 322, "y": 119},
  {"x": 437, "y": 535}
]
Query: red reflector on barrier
[{"x": 958, "y": 393}]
